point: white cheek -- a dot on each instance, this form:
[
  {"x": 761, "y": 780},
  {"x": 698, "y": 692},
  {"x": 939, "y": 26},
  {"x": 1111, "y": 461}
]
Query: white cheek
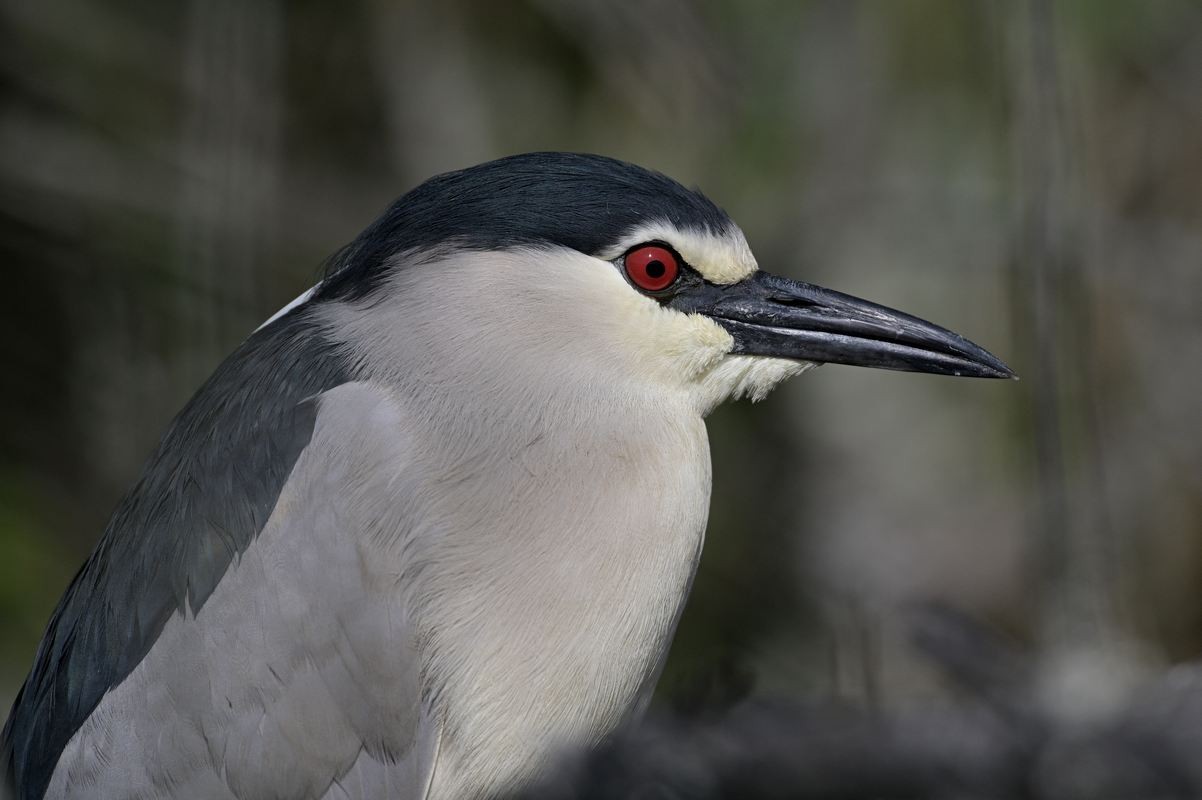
[
  {"x": 692, "y": 352},
  {"x": 689, "y": 345}
]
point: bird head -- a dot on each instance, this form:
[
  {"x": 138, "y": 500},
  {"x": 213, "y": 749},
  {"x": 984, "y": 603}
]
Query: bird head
[{"x": 590, "y": 269}]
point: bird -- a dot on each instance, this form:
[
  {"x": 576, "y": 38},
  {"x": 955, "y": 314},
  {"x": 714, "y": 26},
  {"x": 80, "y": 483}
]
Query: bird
[{"x": 434, "y": 523}]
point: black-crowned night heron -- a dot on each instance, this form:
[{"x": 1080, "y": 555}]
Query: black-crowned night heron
[{"x": 436, "y": 519}]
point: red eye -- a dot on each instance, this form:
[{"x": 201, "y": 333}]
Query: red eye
[{"x": 652, "y": 268}]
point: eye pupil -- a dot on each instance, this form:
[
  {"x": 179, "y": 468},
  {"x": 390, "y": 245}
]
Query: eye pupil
[{"x": 656, "y": 269}]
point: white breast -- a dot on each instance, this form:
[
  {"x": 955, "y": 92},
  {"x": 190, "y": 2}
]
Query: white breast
[{"x": 549, "y": 616}]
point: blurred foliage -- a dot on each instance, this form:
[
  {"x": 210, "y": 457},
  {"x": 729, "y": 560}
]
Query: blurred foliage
[
  {"x": 1024, "y": 172},
  {"x": 33, "y": 573}
]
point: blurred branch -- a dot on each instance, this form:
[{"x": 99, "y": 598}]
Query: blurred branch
[
  {"x": 1070, "y": 533},
  {"x": 1008, "y": 748}
]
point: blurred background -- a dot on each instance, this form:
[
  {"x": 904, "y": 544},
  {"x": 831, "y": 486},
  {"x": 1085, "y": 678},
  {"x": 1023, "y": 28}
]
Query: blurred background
[{"x": 1026, "y": 173}]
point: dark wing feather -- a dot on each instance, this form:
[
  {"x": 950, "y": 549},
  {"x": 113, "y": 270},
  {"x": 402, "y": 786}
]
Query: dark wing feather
[{"x": 205, "y": 493}]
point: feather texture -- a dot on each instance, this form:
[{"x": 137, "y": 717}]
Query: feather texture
[
  {"x": 298, "y": 678},
  {"x": 205, "y": 494}
]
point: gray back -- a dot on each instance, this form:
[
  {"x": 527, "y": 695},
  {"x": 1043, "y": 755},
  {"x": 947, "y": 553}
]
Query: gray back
[{"x": 206, "y": 492}]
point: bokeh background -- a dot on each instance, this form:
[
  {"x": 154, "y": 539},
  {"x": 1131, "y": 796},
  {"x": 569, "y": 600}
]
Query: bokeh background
[{"x": 1026, "y": 172}]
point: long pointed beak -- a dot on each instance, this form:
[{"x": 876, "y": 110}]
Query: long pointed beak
[{"x": 768, "y": 315}]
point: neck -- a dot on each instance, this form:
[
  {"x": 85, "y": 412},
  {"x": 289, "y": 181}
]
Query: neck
[
  {"x": 549, "y": 558},
  {"x": 589, "y": 529}
]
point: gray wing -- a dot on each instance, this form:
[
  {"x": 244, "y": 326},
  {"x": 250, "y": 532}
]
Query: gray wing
[
  {"x": 204, "y": 496},
  {"x": 299, "y": 676}
]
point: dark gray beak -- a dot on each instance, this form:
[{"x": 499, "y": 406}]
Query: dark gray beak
[{"x": 772, "y": 316}]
